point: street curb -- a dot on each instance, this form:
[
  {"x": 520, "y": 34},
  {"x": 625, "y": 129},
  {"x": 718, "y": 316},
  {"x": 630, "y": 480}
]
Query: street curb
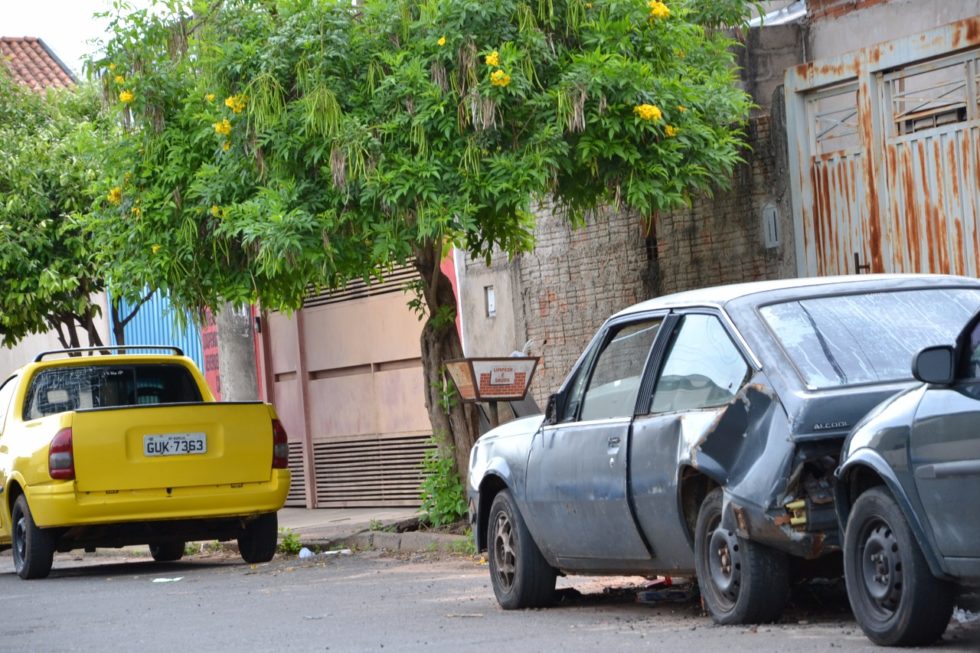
[{"x": 408, "y": 542}]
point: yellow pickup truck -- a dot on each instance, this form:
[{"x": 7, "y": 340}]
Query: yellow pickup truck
[{"x": 101, "y": 449}]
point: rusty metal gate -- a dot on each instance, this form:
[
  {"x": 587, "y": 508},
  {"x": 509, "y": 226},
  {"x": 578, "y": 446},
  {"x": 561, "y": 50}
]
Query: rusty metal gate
[
  {"x": 885, "y": 156},
  {"x": 345, "y": 374}
]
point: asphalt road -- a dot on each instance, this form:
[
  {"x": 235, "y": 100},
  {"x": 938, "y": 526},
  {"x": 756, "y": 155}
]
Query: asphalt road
[{"x": 373, "y": 602}]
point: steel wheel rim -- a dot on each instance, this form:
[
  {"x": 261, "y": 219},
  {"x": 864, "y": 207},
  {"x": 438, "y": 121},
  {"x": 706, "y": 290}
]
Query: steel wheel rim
[
  {"x": 504, "y": 555},
  {"x": 724, "y": 564},
  {"x": 880, "y": 569},
  {"x": 20, "y": 540}
]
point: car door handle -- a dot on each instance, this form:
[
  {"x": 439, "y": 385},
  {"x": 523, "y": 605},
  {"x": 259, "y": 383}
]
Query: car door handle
[{"x": 614, "y": 441}]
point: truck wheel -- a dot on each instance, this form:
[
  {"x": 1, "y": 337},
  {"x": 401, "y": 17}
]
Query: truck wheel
[
  {"x": 895, "y": 598},
  {"x": 33, "y": 546},
  {"x": 520, "y": 575},
  {"x": 257, "y": 542},
  {"x": 167, "y": 551},
  {"x": 741, "y": 581}
]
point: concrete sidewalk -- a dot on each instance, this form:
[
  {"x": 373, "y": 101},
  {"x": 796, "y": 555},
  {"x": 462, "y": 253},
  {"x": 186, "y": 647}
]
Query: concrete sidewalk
[{"x": 364, "y": 528}]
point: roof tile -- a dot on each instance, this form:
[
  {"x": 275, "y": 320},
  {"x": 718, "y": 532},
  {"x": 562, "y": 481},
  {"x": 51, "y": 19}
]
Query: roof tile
[{"x": 33, "y": 64}]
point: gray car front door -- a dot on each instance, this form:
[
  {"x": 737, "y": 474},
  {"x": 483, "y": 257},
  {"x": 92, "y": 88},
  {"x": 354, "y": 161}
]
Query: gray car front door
[{"x": 577, "y": 476}]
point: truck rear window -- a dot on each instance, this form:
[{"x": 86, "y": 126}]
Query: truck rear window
[
  {"x": 867, "y": 338},
  {"x": 107, "y": 386}
]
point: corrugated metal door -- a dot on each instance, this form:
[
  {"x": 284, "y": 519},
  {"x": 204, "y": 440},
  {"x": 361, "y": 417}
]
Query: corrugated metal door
[
  {"x": 155, "y": 324},
  {"x": 886, "y": 174}
]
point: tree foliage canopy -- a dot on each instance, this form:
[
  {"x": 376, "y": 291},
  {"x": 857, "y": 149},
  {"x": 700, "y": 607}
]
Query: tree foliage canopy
[
  {"x": 48, "y": 160},
  {"x": 273, "y": 145}
]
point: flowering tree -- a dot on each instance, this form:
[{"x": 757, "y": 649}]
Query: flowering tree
[{"x": 271, "y": 146}]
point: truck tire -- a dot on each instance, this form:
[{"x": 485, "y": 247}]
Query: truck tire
[
  {"x": 33, "y": 546},
  {"x": 257, "y": 541},
  {"x": 895, "y": 598},
  {"x": 167, "y": 551},
  {"x": 741, "y": 582},
  {"x": 520, "y": 575}
]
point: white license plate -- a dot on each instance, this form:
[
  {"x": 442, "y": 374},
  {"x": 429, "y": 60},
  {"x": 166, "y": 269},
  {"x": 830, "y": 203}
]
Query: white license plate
[{"x": 175, "y": 444}]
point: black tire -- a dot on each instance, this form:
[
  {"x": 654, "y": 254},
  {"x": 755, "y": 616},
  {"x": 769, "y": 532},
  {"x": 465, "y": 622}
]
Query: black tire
[
  {"x": 741, "y": 582},
  {"x": 33, "y": 547},
  {"x": 257, "y": 541},
  {"x": 520, "y": 575},
  {"x": 895, "y": 598},
  {"x": 167, "y": 551}
]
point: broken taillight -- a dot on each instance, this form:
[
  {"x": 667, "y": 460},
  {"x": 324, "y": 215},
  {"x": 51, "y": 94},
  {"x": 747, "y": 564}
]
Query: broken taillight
[
  {"x": 61, "y": 458},
  {"x": 280, "y": 446}
]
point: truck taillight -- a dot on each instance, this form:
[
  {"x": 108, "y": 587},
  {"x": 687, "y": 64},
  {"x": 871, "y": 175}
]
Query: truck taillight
[
  {"x": 280, "y": 446},
  {"x": 61, "y": 458}
]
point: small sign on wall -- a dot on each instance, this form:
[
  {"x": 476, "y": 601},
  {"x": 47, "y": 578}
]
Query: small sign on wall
[{"x": 492, "y": 379}]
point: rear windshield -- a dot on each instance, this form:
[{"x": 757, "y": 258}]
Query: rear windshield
[
  {"x": 105, "y": 386},
  {"x": 869, "y": 338}
]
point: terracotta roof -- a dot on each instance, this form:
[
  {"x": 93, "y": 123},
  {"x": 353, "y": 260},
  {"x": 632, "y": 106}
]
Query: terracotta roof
[{"x": 33, "y": 64}]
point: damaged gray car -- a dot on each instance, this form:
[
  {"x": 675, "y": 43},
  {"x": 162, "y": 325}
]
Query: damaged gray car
[{"x": 699, "y": 434}]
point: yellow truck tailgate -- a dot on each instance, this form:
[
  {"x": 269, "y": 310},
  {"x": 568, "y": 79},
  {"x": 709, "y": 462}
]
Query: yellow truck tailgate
[{"x": 166, "y": 446}]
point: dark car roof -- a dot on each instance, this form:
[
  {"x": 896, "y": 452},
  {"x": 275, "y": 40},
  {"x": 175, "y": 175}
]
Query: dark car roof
[{"x": 762, "y": 292}]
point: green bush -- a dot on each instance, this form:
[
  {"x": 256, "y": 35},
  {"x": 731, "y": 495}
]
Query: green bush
[
  {"x": 289, "y": 542},
  {"x": 442, "y": 493}
]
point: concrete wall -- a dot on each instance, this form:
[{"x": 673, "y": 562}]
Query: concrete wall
[
  {"x": 839, "y": 26},
  {"x": 25, "y": 351}
]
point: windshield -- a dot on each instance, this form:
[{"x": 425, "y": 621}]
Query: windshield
[
  {"x": 61, "y": 389},
  {"x": 867, "y": 338}
]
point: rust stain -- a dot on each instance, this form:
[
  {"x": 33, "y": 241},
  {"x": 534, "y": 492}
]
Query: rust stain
[
  {"x": 867, "y": 141},
  {"x": 938, "y": 210},
  {"x": 911, "y": 217},
  {"x": 891, "y": 170},
  {"x": 966, "y": 32},
  {"x": 961, "y": 251},
  {"x": 930, "y": 225}
]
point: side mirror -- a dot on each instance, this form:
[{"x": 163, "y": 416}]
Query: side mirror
[
  {"x": 934, "y": 365},
  {"x": 551, "y": 409}
]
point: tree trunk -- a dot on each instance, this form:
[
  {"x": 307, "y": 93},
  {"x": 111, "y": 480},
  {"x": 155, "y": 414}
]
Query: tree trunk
[
  {"x": 236, "y": 355},
  {"x": 440, "y": 342}
]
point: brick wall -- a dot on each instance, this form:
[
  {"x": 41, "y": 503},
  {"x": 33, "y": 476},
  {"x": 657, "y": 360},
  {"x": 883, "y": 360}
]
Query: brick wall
[{"x": 576, "y": 278}]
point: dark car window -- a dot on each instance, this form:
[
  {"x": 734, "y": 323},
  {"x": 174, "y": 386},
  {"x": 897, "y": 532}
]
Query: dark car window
[
  {"x": 615, "y": 379},
  {"x": 6, "y": 395},
  {"x": 867, "y": 338},
  {"x": 61, "y": 389},
  {"x": 704, "y": 368},
  {"x": 969, "y": 367}
]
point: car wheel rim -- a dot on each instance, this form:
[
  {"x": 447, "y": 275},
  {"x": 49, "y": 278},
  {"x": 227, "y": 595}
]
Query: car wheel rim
[
  {"x": 881, "y": 568},
  {"x": 20, "y": 540},
  {"x": 724, "y": 564},
  {"x": 504, "y": 556}
]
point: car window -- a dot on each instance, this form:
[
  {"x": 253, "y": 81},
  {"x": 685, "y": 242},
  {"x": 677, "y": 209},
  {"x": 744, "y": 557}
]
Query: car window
[
  {"x": 6, "y": 394},
  {"x": 615, "y": 379},
  {"x": 869, "y": 337},
  {"x": 703, "y": 368},
  {"x": 62, "y": 389},
  {"x": 970, "y": 361}
]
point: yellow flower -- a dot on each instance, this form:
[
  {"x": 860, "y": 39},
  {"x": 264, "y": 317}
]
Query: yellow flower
[
  {"x": 112, "y": 66},
  {"x": 658, "y": 9},
  {"x": 493, "y": 59},
  {"x": 155, "y": 248},
  {"x": 588, "y": 5},
  {"x": 236, "y": 103},
  {"x": 210, "y": 97},
  {"x": 648, "y": 112},
  {"x": 136, "y": 211},
  {"x": 441, "y": 41},
  {"x": 671, "y": 131},
  {"x": 681, "y": 108},
  {"x": 499, "y": 78},
  {"x": 226, "y": 146},
  {"x": 216, "y": 210},
  {"x": 126, "y": 97},
  {"x": 119, "y": 79},
  {"x": 223, "y": 127},
  {"x": 115, "y": 195}
]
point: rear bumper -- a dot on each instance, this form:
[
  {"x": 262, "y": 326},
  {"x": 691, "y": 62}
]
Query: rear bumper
[{"x": 59, "y": 505}]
